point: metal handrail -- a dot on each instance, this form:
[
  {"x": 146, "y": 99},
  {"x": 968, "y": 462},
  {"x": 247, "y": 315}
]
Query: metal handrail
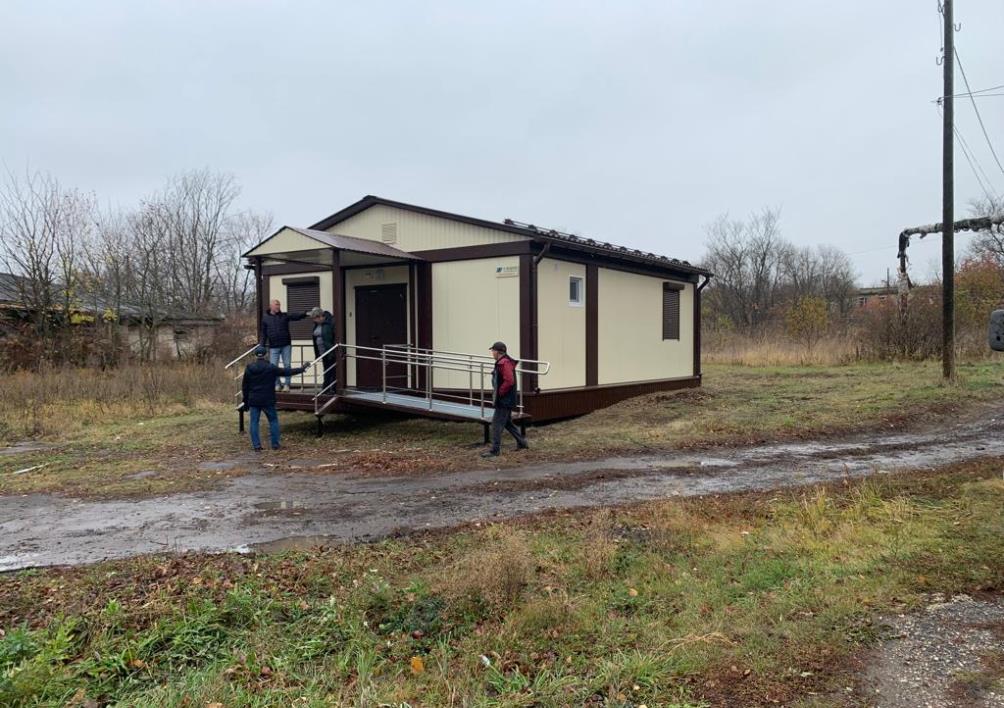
[
  {"x": 486, "y": 358},
  {"x": 474, "y": 365},
  {"x": 444, "y": 361}
]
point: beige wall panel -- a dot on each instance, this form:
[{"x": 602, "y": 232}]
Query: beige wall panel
[
  {"x": 631, "y": 347},
  {"x": 561, "y": 326},
  {"x": 285, "y": 241},
  {"x": 354, "y": 278},
  {"x": 472, "y": 307},
  {"x": 419, "y": 232}
]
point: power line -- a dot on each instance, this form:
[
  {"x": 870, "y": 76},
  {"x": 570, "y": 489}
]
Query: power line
[
  {"x": 966, "y": 151},
  {"x": 978, "y": 116},
  {"x": 978, "y": 91},
  {"x": 974, "y": 164}
]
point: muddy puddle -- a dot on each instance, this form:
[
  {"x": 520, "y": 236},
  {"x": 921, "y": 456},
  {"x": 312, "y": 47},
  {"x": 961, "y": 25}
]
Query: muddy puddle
[
  {"x": 21, "y": 448},
  {"x": 272, "y": 510}
]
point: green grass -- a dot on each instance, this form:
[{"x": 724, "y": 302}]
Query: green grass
[
  {"x": 738, "y": 600},
  {"x": 100, "y": 450}
]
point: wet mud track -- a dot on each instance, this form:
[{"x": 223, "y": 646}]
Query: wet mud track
[{"x": 269, "y": 510}]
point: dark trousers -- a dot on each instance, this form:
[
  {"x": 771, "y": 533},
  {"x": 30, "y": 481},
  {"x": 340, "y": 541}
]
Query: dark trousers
[
  {"x": 273, "y": 426},
  {"x": 502, "y": 419},
  {"x": 329, "y": 371}
]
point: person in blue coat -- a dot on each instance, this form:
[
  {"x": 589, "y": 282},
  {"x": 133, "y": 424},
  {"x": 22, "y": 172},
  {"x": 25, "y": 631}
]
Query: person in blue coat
[{"x": 258, "y": 389}]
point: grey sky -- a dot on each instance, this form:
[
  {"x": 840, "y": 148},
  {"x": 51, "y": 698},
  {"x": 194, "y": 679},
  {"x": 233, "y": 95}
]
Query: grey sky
[{"x": 634, "y": 122}]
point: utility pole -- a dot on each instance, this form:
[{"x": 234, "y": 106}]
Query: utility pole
[{"x": 948, "y": 202}]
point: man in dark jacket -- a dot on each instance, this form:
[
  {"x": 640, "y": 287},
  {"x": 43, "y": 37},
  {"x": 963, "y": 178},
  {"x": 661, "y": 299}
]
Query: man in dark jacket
[
  {"x": 324, "y": 339},
  {"x": 505, "y": 399},
  {"x": 258, "y": 389},
  {"x": 275, "y": 335}
]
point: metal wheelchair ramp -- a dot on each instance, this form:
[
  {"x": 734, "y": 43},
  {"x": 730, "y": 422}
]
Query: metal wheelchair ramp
[{"x": 406, "y": 392}]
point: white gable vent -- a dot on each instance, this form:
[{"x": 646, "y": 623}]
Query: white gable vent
[{"x": 388, "y": 233}]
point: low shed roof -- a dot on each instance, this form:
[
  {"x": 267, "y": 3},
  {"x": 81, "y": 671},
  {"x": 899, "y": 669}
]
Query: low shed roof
[{"x": 340, "y": 242}]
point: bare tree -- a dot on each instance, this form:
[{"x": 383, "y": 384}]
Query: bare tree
[
  {"x": 43, "y": 227},
  {"x": 194, "y": 211},
  {"x": 148, "y": 273},
  {"x": 235, "y": 283},
  {"x": 747, "y": 259},
  {"x": 758, "y": 274},
  {"x": 29, "y": 216},
  {"x": 990, "y": 242}
]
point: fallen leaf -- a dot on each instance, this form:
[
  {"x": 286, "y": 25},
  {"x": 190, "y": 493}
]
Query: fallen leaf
[
  {"x": 632, "y": 592},
  {"x": 137, "y": 664},
  {"x": 417, "y": 665}
]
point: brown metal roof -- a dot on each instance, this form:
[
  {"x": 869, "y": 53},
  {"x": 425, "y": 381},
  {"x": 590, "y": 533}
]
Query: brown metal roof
[
  {"x": 602, "y": 248},
  {"x": 357, "y": 245},
  {"x": 348, "y": 243}
]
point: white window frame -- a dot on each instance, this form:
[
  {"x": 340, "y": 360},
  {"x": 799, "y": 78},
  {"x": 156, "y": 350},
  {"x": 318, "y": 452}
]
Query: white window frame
[{"x": 581, "y": 302}]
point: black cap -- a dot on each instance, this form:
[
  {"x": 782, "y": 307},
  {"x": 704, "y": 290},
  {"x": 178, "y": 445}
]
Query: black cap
[{"x": 499, "y": 347}]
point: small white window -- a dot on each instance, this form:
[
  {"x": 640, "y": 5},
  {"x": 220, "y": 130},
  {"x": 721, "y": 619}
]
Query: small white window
[{"x": 575, "y": 287}]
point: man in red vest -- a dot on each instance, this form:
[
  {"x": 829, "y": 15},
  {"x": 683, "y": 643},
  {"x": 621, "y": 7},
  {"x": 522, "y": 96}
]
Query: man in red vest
[{"x": 505, "y": 399}]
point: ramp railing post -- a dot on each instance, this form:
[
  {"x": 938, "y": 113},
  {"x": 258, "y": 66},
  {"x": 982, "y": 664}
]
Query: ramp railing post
[
  {"x": 383, "y": 364},
  {"x": 481, "y": 376},
  {"x": 470, "y": 379},
  {"x": 428, "y": 382}
]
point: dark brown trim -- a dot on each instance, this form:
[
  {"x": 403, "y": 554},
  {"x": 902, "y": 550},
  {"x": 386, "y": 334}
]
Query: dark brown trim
[
  {"x": 258, "y": 294},
  {"x": 309, "y": 280},
  {"x": 697, "y": 327},
  {"x": 592, "y": 324},
  {"x": 338, "y": 313},
  {"x": 424, "y": 297},
  {"x": 469, "y": 253},
  {"x": 412, "y": 321},
  {"x": 585, "y": 245},
  {"x": 266, "y": 298},
  {"x": 570, "y": 402},
  {"x": 527, "y": 318}
]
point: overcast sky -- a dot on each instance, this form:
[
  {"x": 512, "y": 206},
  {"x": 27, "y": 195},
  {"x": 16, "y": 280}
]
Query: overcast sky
[{"x": 633, "y": 122}]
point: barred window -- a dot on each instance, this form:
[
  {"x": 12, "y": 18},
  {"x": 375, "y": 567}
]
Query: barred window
[
  {"x": 671, "y": 310},
  {"x": 302, "y": 294}
]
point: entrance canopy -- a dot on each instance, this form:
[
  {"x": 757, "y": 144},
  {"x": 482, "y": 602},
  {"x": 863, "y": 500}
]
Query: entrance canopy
[{"x": 308, "y": 246}]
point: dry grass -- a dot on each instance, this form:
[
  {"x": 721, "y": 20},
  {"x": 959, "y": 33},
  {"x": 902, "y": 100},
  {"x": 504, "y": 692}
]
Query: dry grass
[
  {"x": 779, "y": 351},
  {"x": 835, "y": 349},
  {"x": 57, "y": 402},
  {"x": 747, "y": 600},
  {"x": 112, "y": 427},
  {"x": 493, "y": 576}
]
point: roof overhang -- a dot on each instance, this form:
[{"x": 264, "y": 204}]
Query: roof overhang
[
  {"x": 585, "y": 245},
  {"x": 312, "y": 247}
]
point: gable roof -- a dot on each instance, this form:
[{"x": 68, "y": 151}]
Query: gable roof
[
  {"x": 531, "y": 231},
  {"x": 343, "y": 243}
]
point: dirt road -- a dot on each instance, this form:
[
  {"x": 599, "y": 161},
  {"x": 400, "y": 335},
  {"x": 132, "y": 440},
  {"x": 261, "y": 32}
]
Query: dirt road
[{"x": 267, "y": 509}]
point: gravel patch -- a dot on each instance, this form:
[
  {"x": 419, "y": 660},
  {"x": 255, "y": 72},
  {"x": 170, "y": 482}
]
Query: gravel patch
[{"x": 945, "y": 656}]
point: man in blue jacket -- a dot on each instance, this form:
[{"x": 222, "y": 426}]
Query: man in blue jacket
[
  {"x": 275, "y": 335},
  {"x": 258, "y": 389}
]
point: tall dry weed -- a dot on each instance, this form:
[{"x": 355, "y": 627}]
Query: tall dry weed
[
  {"x": 494, "y": 575},
  {"x": 47, "y": 402}
]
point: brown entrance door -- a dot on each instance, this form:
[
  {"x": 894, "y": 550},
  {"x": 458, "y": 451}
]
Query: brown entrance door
[{"x": 381, "y": 320}]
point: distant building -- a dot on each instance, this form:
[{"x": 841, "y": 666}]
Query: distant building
[
  {"x": 177, "y": 334},
  {"x": 867, "y": 296}
]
